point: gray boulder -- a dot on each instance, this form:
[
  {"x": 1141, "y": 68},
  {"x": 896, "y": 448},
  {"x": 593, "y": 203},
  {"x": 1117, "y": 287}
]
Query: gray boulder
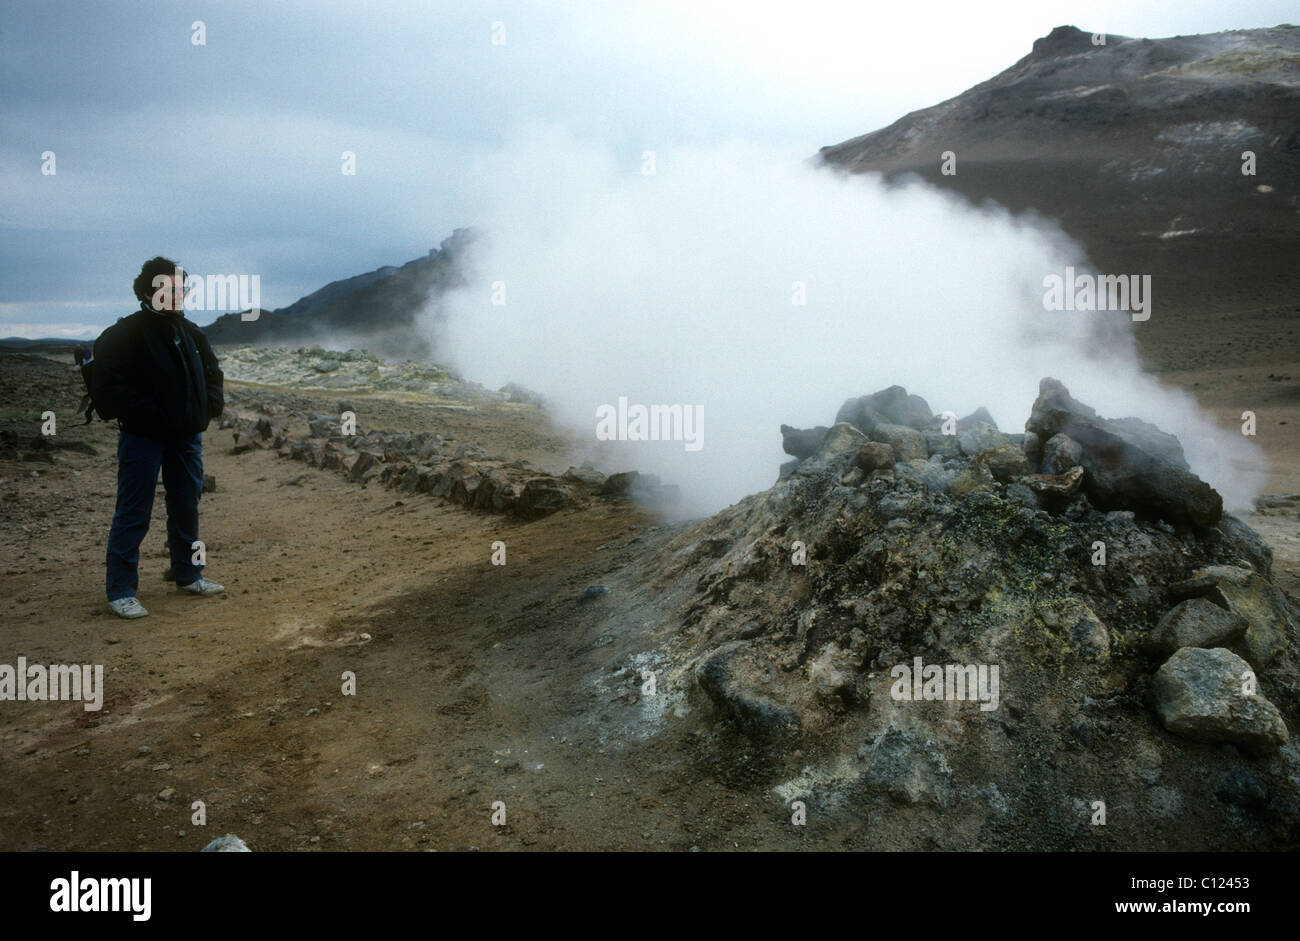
[
  {"x": 1256, "y": 600},
  {"x": 322, "y": 426},
  {"x": 909, "y": 768},
  {"x": 980, "y": 436},
  {"x": 1082, "y": 629},
  {"x": 876, "y": 454},
  {"x": 934, "y": 475},
  {"x": 838, "y": 450},
  {"x": 497, "y": 492},
  {"x": 726, "y": 677},
  {"x": 1131, "y": 464},
  {"x": 1245, "y": 543},
  {"x": 900, "y": 408},
  {"x": 1006, "y": 463},
  {"x": 1032, "y": 445},
  {"x": 1060, "y": 453},
  {"x": 632, "y": 485},
  {"x": 801, "y": 442},
  {"x": 946, "y": 446},
  {"x": 859, "y": 413},
  {"x": 1196, "y": 622},
  {"x": 1198, "y": 695},
  {"x": 540, "y": 496},
  {"x": 908, "y": 443},
  {"x": 892, "y": 406},
  {"x": 586, "y": 474}
]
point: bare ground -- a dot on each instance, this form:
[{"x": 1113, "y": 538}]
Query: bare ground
[{"x": 473, "y": 681}]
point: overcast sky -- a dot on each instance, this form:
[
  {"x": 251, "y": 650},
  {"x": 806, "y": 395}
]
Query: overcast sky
[{"x": 227, "y": 156}]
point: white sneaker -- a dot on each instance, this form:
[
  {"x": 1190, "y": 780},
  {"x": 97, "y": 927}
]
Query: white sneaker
[
  {"x": 203, "y": 586},
  {"x": 128, "y": 608}
]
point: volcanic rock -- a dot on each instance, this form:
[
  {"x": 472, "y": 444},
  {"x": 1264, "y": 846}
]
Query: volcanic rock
[
  {"x": 1055, "y": 485},
  {"x": 938, "y": 558},
  {"x": 888, "y": 406},
  {"x": 908, "y": 443},
  {"x": 833, "y": 675},
  {"x": 840, "y": 446},
  {"x": 1199, "y": 695},
  {"x": 1254, "y": 598},
  {"x": 1005, "y": 462},
  {"x": 875, "y": 455},
  {"x": 945, "y": 446},
  {"x": 980, "y": 436},
  {"x": 909, "y": 768},
  {"x": 633, "y": 485},
  {"x": 361, "y": 466},
  {"x": 244, "y": 442},
  {"x": 1059, "y": 454},
  {"x": 1195, "y": 623},
  {"x": 1131, "y": 465},
  {"x": 801, "y": 442},
  {"x": 727, "y": 677},
  {"x": 540, "y": 496},
  {"x": 586, "y": 474},
  {"x": 1245, "y": 543},
  {"x": 498, "y": 492},
  {"x": 860, "y": 413},
  {"x": 1032, "y": 445},
  {"x": 900, "y": 408}
]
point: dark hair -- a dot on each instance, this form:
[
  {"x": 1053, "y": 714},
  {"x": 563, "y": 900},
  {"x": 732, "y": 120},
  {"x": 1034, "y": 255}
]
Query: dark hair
[{"x": 158, "y": 265}]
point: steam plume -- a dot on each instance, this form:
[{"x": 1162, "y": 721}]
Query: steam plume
[{"x": 677, "y": 287}]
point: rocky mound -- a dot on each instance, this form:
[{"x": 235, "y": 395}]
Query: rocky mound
[{"x": 968, "y": 639}]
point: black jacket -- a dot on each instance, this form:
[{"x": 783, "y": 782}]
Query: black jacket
[{"x": 158, "y": 375}]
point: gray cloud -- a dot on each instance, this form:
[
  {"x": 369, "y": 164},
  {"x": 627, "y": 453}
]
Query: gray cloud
[{"x": 227, "y": 156}]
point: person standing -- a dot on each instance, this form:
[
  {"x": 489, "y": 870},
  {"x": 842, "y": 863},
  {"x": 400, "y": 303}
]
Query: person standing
[{"x": 156, "y": 373}]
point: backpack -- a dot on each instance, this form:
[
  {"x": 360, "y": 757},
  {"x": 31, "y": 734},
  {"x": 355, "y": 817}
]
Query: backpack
[{"x": 84, "y": 357}]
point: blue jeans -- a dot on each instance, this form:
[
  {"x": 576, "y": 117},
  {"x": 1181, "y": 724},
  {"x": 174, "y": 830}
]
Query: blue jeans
[{"x": 138, "y": 461}]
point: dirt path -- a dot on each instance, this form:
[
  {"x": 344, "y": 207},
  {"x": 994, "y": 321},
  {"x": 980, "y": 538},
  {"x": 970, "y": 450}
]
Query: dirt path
[{"x": 473, "y": 681}]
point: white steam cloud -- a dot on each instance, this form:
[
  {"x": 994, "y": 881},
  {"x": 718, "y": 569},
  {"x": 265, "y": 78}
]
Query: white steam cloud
[{"x": 677, "y": 287}]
